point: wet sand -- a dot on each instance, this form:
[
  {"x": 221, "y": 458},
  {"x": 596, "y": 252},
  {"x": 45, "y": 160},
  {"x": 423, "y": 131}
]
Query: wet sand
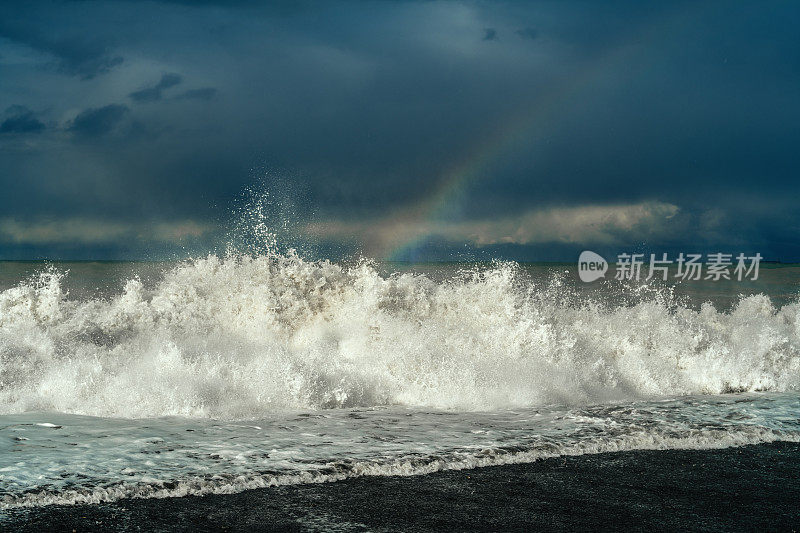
[{"x": 748, "y": 488}]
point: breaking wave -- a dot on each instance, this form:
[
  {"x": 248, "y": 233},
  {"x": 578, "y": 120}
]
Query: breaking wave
[{"x": 237, "y": 336}]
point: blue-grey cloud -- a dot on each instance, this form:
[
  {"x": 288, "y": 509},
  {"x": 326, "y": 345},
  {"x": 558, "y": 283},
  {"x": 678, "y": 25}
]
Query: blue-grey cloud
[
  {"x": 74, "y": 53},
  {"x": 20, "y": 119},
  {"x": 527, "y": 33},
  {"x": 96, "y": 122},
  {"x": 489, "y": 34},
  {"x": 154, "y": 92},
  {"x": 206, "y": 93},
  {"x": 86, "y": 63},
  {"x": 372, "y": 107}
]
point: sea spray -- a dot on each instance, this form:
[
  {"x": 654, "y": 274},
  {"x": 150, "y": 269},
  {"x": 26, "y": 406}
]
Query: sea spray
[{"x": 238, "y": 336}]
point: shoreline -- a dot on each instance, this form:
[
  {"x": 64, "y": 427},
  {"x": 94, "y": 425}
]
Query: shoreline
[{"x": 750, "y": 487}]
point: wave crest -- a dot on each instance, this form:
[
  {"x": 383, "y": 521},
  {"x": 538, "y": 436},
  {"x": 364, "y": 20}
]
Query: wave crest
[{"x": 238, "y": 336}]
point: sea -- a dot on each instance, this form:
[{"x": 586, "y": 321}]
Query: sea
[{"x": 236, "y": 371}]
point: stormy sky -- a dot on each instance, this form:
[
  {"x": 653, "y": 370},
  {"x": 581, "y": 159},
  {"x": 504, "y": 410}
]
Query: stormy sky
[{"x": 403, "y": 130}]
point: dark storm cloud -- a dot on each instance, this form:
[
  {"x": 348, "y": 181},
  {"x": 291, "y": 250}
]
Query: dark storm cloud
[
  {"x": 232, "y": 3},
  {"x": 206, "y": 93},
  {"x": 96, "y": 122},
  {"x": 527, "y": 33},
  {"x": 371, "y": 108},
  {"x": 74, "y": 53},
  {"x": 154, "y": 92},
  {"x": 20, "y": 119},
  {"x": 84, "y": 62}
]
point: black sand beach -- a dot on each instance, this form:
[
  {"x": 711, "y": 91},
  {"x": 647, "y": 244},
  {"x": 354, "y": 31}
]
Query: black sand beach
[{"x": 735, "y": 489}]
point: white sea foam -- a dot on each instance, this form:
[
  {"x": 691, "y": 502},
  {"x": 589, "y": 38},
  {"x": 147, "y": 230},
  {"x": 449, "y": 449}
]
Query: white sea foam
[
  {"x": 91, "y": 460},
  {"x": 236, "y": 337}
]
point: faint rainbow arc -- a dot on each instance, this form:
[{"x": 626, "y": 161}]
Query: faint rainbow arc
[{"x": 459, "y": 177}]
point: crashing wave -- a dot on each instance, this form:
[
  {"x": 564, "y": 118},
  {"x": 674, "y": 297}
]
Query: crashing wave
[{"x": 237, "y": 336}]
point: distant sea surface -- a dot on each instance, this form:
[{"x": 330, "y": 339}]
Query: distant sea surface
[{"x": 216, "y": 375}]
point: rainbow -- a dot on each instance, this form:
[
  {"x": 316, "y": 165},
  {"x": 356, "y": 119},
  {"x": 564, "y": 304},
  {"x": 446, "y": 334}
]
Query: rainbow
[{"x": 539, "y": 117}]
